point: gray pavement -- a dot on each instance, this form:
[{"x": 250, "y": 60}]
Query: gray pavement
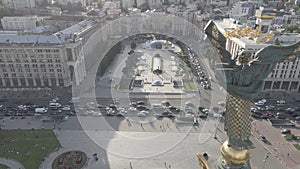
[{"x": 11, "y": 163}]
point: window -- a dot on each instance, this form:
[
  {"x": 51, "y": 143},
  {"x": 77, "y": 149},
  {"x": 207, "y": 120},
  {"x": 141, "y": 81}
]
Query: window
[
  {"x": 59, "y": 75},
  {"x": 57, "y": 60},
  {"x": 26, "y": 65},
  {"x": 5, "y": 74},
  {"x": 4, "y": 69},
  {"x": 14, "y": 75},
  {"x": 33, "y": 60},
  {"x": 59, "y": 70},
  {"x": 35, "y": 70},
  {"x": 10, "y": 65},
  {"x": 43, "y": 65},
  {"x": 48, "y": 56},
  {"x": 43, "y": 70},
  {"x": 49, "y": 60},
  {"x": 34, "y": 65},
  {"x": 12, "y": 69},
  {"x": 47, "y": 50},
  {"x": 55, "y": 50},
  {"x": 50, "y": 65},
  {"x": 20, "y": 70},
  {"x": 51, "y": 70},
  {"x": 29, "y": 75},
  {"x": 27, "y": 69}
]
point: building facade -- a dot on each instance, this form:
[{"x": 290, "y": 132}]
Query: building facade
[
  {"x": 40, "y": 60},
  {"x": 18, "y": 4},
  {"x": 19, "y": 23}
]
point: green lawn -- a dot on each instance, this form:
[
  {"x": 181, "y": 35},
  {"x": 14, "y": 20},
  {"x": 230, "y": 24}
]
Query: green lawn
[
  {"x": 27, "y": 146},
  {"x": 297, "y": 146},
  {"x": 189, "y": 85},
  {"x": 291, "y": 137},
  {"x": 3, "y": 166}
]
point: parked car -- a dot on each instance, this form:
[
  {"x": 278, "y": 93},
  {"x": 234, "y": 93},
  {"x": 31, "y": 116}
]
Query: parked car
[
  {"x": 263, "y": 138},
  {"x": 140, "y": 102},
  {"x": 280, "y": 101},
  {"x": 141, "y": 107},
  {"x": 286, "y": 131},
  {"x": 166, "y": 103}
]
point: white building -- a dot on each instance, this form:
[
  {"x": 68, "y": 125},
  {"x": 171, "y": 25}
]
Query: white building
[
  {"x": 19, "y": 22},
  {"x": 285, "y": 76},
  {"x": 18, "y": 4},
  {"x": 219, "y": 2},
  {"x": 39, "y": 60},
  {"x": 243, "y": 9},
  {"x": 65, "y": 2}
]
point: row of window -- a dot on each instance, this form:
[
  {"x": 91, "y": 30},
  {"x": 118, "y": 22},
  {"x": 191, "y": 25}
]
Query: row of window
[
  {"x": 14, "y": 75},
  {"x": 29, "y": 50},
  {"x": 29, "y": 65},
  {"x": 30, "y": 70},
  {"x": 9, "y": 60}
]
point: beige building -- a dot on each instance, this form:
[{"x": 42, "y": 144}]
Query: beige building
[
  {"x": 285, "y": 76},
  {"x": 19, "y": 22},
  {"x": 40, "y": 60}
]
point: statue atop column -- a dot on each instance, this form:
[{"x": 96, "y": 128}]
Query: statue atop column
[{"x": 242, "y": 76}]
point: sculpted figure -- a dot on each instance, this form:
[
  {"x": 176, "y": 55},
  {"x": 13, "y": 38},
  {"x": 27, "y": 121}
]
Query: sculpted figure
[{"x": 244, "y": 74}]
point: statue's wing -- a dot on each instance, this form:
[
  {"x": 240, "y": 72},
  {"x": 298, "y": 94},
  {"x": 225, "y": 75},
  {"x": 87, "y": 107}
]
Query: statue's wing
[{"x": 273, "y": 54}]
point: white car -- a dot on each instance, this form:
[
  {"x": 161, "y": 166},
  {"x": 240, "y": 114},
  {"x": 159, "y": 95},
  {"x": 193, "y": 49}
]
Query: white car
[
  {"x": 66, "y": 108},
  {"x": 145, "y": 112},
  {"x": 280, "y": 101},
  {"x": 141, "y": 114},
  {"x": 259, "y": 103},
  {"x": 97, "y": 114}
]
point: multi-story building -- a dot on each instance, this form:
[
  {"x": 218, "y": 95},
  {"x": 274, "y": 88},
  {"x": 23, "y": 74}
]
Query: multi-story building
[
  {"x": 19, "y": 22},
  {"x": 286, "y": 75},
  {"x": 65, "y": 2},
  {"x": 243, "y": 9},
  {"x": 40, "y": 60},
  {"x": 18, "y": 4}
]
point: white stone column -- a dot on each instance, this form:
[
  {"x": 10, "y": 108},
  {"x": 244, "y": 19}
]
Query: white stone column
[
  {"x": 34, "y": 81},
  {"x": 11, "y": 82},
  {"x": 19, "y": 82},
  {"x": 49, "y": 81},
  {"x": 26, "y": 82}
]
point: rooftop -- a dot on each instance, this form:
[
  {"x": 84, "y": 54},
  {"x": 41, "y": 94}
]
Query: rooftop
[{"x": 29, "y": 39}]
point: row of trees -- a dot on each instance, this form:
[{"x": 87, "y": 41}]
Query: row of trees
[{"x": 108, "y": 58}]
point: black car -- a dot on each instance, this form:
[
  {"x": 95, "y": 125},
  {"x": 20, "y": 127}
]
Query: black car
[
  {"x": 130, "y": 52},
  {"x": 141, "y": 107}
]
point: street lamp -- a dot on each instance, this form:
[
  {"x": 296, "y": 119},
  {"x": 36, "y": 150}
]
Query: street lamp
[{"x": 265, "y": 160}]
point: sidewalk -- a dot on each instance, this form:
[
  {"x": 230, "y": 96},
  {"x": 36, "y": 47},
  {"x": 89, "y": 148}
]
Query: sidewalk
[
  {"x": 282, "y": 149},
  {"x": 11, "y": 163}
]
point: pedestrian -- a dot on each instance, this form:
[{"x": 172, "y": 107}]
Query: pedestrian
[
  {"x": 141, "y": 124},
  {"x": 165, "y": 163},
  {"x": 170, "y": 166},
  {"x": 130, "y": 165},
  {"x": 167, "y": 124},
  {"x": 288, "y": 154}
]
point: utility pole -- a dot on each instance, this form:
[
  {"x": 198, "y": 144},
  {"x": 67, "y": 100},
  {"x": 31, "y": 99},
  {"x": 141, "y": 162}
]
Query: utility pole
[{"x": 265, "y": 160}]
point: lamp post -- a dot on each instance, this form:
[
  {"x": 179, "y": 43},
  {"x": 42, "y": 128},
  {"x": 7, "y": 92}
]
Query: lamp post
[{"x": 265, "y": 160}]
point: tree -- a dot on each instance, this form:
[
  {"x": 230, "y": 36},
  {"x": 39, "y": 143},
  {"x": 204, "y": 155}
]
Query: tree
[
  {"x": 5, "y": 11},
  {"x": 292, "y": 28}
]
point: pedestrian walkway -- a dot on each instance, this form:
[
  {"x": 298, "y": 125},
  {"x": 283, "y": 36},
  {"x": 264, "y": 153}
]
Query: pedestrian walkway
[{"x": 11, "y": 163}]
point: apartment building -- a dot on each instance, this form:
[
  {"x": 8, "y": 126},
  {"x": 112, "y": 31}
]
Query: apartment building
[
  {"x": 285, "y": 76},
  {"x": 19, "y": 22},
  {"x": 41, "y": 60},
  {"x": 18, "y": 4}
]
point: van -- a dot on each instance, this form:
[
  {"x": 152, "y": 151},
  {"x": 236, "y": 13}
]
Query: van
[{"x": 41, "y": 110}]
